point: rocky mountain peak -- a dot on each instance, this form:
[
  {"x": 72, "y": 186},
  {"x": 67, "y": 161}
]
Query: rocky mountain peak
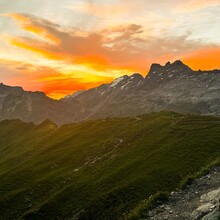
[
  {"x": 118, "y": 81},
  {"x": 168, "y": 64},
  {"x": 155, "y": 67},
  {"x": 3, "y": 86},
  {"x": 180, "y": 64},
  {"x": 137, "y": 76},
  {"x": 169, "y": 68},
  {"x": 126, "y": 82}
]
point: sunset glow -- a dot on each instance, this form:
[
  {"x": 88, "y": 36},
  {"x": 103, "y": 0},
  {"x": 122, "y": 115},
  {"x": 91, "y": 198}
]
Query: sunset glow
[{"x": 59, "y": 48}]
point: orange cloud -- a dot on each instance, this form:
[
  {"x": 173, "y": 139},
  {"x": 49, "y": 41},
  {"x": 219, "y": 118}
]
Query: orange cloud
[
  {"x": 56, "y": 85},
  {"x": 33, "y": 25},
  {"x": 61, "y": 87},
  {"x": 123, "y": 49},
  {"x": 204, "y": 59},
  {"x": 52, "y": 82},
  {"x": 33, "y": 48},
  {"x": 120, "y": 48},
  {"x": 91, "y": 49}
]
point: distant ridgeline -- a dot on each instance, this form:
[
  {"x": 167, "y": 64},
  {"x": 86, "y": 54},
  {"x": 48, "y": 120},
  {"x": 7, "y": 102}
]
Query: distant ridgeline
[
  {"x": 101, "y": 169},
  {"x": 173, "y": 87}
]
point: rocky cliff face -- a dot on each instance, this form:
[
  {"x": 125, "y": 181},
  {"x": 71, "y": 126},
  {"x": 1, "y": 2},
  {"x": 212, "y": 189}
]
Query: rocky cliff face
[
  {"x": 173, "y": 87},
  {"x": 178, "y": 88}
]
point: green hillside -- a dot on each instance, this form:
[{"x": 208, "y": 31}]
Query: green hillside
[{"x": 99, "y": 169}]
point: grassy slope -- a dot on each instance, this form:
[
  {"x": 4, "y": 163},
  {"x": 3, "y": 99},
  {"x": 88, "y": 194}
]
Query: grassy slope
[{"x": 99, "y": 169}]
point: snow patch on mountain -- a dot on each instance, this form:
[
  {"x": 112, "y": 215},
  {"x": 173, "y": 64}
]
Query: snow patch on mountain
[
  {"x": 117, "y": 81},
  {"x": 74, "y": 94}
]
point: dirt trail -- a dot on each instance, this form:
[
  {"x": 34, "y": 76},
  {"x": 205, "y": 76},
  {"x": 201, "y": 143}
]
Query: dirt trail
[{"x": 199, "y": 201}]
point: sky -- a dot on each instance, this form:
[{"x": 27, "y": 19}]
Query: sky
[{"x": 59, "y": 47}]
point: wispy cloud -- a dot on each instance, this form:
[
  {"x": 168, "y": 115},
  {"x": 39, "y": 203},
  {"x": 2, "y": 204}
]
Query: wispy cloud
[
  {"x": 122, "y": 47},
  {"x": 101, "y": 9},
  {"x": 196, "y": 5},
  {"x": 34, "y": 25}
]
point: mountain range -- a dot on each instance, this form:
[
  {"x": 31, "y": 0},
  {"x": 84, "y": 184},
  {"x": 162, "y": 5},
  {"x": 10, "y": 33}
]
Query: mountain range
[{"x": 173, "y": 87}]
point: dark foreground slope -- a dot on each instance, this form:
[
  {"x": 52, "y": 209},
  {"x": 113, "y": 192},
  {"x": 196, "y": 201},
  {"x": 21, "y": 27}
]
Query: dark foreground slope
[{"x": 99, "y": 169}]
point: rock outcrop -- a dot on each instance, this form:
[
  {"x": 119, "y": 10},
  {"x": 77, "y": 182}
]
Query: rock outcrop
[
  {"x": 209, "y": 206},
  {"x": 197, "y": 201}
]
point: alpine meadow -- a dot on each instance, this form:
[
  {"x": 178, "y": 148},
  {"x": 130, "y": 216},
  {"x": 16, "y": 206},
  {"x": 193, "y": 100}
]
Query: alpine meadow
[{"x": 109, "y": 110}]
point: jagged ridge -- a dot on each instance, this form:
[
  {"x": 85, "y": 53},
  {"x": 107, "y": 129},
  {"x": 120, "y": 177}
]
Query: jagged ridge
[{"x": 174, "y": 86}]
